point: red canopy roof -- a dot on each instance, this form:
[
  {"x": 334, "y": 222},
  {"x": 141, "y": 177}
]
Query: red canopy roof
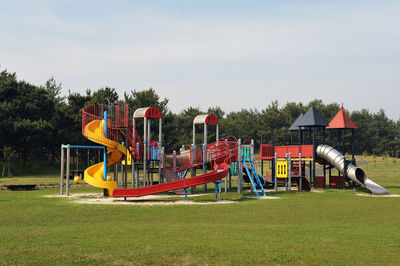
[
  {"x": 206, "y": 119},
  {"x": 341, "y": 120}
]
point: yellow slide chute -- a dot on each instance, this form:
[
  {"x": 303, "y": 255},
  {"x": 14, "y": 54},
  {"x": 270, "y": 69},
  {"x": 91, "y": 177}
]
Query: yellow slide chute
[{"x": 94, "y": 175}]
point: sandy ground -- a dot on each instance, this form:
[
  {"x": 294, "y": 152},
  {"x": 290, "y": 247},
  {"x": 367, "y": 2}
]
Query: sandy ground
[
  {"x": 97, "y": 198},
  {"x": 379, "y": 196}
]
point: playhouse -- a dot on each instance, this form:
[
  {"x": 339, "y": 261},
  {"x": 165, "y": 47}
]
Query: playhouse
[{"x": 298, "y": 161}]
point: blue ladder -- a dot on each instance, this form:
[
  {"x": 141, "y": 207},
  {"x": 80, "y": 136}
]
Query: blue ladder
[
  {"x": 253, "y": 175},
  {"x": 257, "y": 176},
  {"x": 260, "y": 175}
]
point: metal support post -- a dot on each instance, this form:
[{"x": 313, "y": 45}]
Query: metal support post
[
  {"x": 252, "y": 158},
  {"x": 159, "y": 150},
  {"x": 353, "y": 161},
  {"x": 194, "y": 134},
  {"x": 122, "y": 172},
  {"x": 300, "y": 173},
  {"x": 346, "y": 163},
  {"x": 290, "y": 171},
  {"x": 145, "y": 153},
  {"x": 62, "y": 171},
  {"x": 240, "y": 166},
  {"x": 136, "y": 168},
  {"x": 160, "y": 156},
  {"x": 88, "y": 157},
  {"x": 149, "y": 175},
  {"x": 162, "y": 164},
  {"x": 68, "y": 170},
  {"x": 273, "y": 162},
  {"x": 116, "y": 173},
  {"x": 105, "y": 149},
  {"x": 193, "y": 154},
  {"x": 216, "y": 190},
  {"x": 330, "y": 169},
  {"x": 125, "y": 165},
  {"x": 133, "y": 168},
  {"x": 204, "y": 165},
  {"x": 314, "y": 157},
  {"x": 226, "y": 178},
  {"x": 174, "y": 161},
  {"x": 205, "y": 134},
  {"x": 339, "y": 146},
  {"x": 286, "y": 179},
  {"x": 275, "y": 178}
]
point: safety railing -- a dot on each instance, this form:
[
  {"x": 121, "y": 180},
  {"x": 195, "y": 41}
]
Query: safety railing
[
  {"x": 118, "y": 124},
  {"x": 93, "y": 112},
  {"x": 217, "y": 152}
]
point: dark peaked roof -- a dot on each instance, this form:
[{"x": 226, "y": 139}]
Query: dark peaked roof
[
  {"x": 294, "y": 125},
  {"x": 341, "y": 120},
  {"x": 311, "y": 119}
]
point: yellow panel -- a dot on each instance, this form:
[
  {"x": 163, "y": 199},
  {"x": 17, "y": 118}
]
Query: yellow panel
[
  {"x": 129, "y": 158},
  {"x": 282, "y": 169}
]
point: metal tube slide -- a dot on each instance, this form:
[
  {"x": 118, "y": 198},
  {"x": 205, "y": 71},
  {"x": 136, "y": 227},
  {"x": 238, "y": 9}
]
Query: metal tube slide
[{"x": 336, "y": 159}]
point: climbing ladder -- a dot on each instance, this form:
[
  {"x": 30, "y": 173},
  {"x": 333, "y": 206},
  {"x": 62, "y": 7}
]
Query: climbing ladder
[{"x": 254, "y": 177}]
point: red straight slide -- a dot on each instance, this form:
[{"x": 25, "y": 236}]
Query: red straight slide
[{"x": 220, "y": 172}]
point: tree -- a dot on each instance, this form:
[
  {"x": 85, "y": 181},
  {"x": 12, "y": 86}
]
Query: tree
[
  {"x": 10, "y": 155},
  {"x": 73, "y": 118},
  {"x": 56, "y": 121},
  {"x": 105, "y": 95},
  {"x": 217, "y": 111},
  {"x": 145, "y": 98},
  {"x": 244, "y": 124},
  {"x": 185, "y": 126},
  {"x": 275, "y": 122},
  {"x": 25, "y": 112}
]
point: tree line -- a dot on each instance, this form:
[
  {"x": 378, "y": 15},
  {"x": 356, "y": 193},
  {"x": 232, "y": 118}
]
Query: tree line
[{"x": 36, "y": 120}]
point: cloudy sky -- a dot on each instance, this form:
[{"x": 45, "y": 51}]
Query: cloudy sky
[{"x": 235, "y": 54}]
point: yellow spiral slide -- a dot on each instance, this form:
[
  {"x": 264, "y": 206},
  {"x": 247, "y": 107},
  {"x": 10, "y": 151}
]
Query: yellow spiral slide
[{"x": 94, "y": 175}]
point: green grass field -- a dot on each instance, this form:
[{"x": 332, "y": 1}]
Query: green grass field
[{"x": 332, "y": 227}]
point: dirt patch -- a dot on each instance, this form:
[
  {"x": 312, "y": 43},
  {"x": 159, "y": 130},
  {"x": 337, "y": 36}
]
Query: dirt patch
[
  {"x": 379, "y": 196},
  {"x": 318, "y": 191},
  {"x": 263, "y": 197},
  {"x": 96, "y": 198},
  {"x": 150, "y": 200}
]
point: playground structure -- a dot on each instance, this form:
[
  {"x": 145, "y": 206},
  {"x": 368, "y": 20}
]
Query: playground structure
[
  {"x": 147, "y": 155},
  {"x": 112, "y": 128},
  {"x": 289, "y": 163}
]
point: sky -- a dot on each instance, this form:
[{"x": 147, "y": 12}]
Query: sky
[{"x": 232, "y": 54}]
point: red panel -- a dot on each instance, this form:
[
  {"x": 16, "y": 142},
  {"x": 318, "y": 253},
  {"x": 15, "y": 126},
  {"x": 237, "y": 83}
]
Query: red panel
[
  {"x": 320, "y": 181},
  {"x": 266, "y": 151},
  {"x": 306, "y": 151},
  {"x": 153, "y": 112},
  {"x": 211, "y": 119}
]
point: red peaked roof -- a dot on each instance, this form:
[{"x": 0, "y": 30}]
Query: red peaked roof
[{"x": 341, "y": 120}]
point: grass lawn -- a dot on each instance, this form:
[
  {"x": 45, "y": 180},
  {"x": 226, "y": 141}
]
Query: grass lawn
[{"x": 332, "y": 227}]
